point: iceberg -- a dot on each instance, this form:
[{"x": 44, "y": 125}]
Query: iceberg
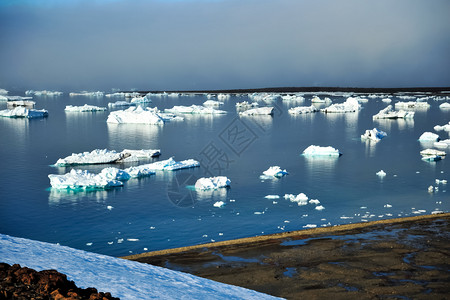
[
  {"x": 444, "y": 105},
  {"x": 194, "y": 109},
  {"x": 302, "y": 110},
  {"x": 412, "y": 104},
  {"x": 88, "y": 94},
  {"x": 140, "y": 100},
  {"x": 258, "y": 111},
  {"x": 84, "y": 108},
  {"x": 374, "y": 135},
  {"x": 219, "y": 204},
  {"x": 300, "y": 199},
  {"x": 316, "y": 99},
  {"x": 79, "y": 179},
  {"x": 266, "y": 97},
  {"x": 386, "y": 100},
  {"x": 163, "y": 165},
  {"x": 22, "y": 112},
  {"x": 24, "y": 103},
  {"x": 43, "y": 93},
  {"x": 429, "y": 136},
  {"x": 432, "y": 152},
  {"x": 321, "y": 151},
  {"x": 105, "y": 156},
  {"x": 381, "y": 173},
  {"x": 292, "y": 98},
  {"x": 136, "y": 115},
  {"x": 3, "y": 92},
  {"x": 389, "y": 113},
  {"x": 350, "y": 105},
  {"x": 212, "y": 103},
  {"x": 442, "y": 143},
  {"x": 212, "y": 183},
  {"x": 223, "y": 96},
  {"x": 445, "y": 127},
  {"x": 120, "y": 104},
  {"x": 245, "y": 104},
  {"x": 275, "y": 171},
  {"x": 431, "y": 157}
]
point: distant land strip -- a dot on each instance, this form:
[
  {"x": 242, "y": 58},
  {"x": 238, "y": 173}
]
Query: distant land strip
[
  {"x": 331, "y": 230},
  {"x": 310, "y": 90}
]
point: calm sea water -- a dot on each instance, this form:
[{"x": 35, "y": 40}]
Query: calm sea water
[{"x": 160, "y": 212}]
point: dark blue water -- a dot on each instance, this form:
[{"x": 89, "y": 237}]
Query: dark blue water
[{"x": 159, "y": 212}]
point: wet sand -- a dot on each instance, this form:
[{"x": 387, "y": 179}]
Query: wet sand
[{"x": 407, "y": 258}]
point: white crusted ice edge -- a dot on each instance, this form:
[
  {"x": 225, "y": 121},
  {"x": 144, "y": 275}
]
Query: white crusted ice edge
[
  {"x": 274, "y": 171},
  {"x": 194, "y": 109},
  {"x": 112, "y": 177},
  {"x": 22, "y": 112},
  {"x": 84, "y": 108},
  {"x": 105, "y": 156},
  {"x": 258, "y": 111},
  {"x": 373, "y": 134},
  {"x": 123, "y": 278},
  {"x": 321, "y": 151},
  {"x": 212, "y": 183},
  {"x": 389, "y": 113},
  {"x": 140, "y": 115}
]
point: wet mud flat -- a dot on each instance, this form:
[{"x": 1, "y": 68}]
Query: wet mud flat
[{"x": 406, "y": 258}]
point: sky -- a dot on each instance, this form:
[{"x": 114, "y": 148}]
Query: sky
[{"x": 223, "y": 44}]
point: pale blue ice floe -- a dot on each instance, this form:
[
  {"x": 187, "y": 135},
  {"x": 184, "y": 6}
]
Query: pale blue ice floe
[
  {"x": 274, "y": 171},
  {"x": 139, "y": 115}
]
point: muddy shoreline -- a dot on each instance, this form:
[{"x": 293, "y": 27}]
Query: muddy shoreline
[{"x": 407, "y": 258}]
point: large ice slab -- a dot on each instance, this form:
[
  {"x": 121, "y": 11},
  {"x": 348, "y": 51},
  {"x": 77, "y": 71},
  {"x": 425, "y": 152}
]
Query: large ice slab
[
  {"x": 212, "y": 183},
  {"x": 23, "y": 112},
  {"x": 136, "y": 115},
  {"x": 163, "y": 165},
  {"x": 321, "y": 151},
  {"x": 412, "y": 104},
  {"x": 194, "y": 109},
  {"x": 82, "y": 179},
  {"x": 258, "y": 111},
  {"x": 138, "y": 99},
  {"x": 105, "y": 156},
  {"x": 373, "y": 134},
  {"x": 350, "y": 105},
  {"x": 303, "y": 110},
  {"x": 43, "y": 93},
  {"x": 84, "y": 108},
  {"x": 429, "y": 136},
  {"x": 389, "y": 113},
  {"x": 275, "y": 171}
]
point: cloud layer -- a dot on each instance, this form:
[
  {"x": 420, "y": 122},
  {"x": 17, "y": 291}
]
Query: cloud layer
[{"x": 167, "y": 45}]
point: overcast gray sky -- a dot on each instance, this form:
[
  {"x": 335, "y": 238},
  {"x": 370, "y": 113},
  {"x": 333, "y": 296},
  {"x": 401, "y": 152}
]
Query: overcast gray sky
[{"x": 222, "y": 44}]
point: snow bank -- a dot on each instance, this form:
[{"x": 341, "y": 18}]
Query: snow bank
[
  {"x": 135, "y": 115},
  {"x": 302, "y": 110},
  {"x": 212, "y": 183},
  {"x": 84, "y": 108},
  {"x": 350, "y": 105},
  {"x": 105, "y": 156},
  {"x": 22, "y": 112},
  {"x": 321, "y": 151},
  {"x": 194, "y": 109},
  {"x": 374, "y": 134},
  {"x": 429, "y": 136},
  {"x": 123, "y": 278},
  {"x": 389, "y": 113},
  {"x": 275, "y": 171},
  {"x": 258, "y": 111}
]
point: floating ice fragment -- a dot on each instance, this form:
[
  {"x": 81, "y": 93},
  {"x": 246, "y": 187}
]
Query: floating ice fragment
[
  {"x": 109, "y": 207},
  {"x": 310, "y": 226},
  {"x": 258, "y": 213},
  {"x": 136, "y": 115},
  {"x": 88, "y": 94},
  {"x": 444, "y": 105},
  {"x": 219, "y": 204},
  {"x": 303, "y": 110},
  {"x": 437, "y": 212},
  {"x": 212, "y": 103},
  {"x": 374, "y": 134},
  {"x": 120, "y": 104},
  {"x": 314, "y": 201},
  {"x": 412, "y": 104},
  {"x": 272, "y": 197},
  {"x": 381, "y": 173},
  {"x": 387, "y": 205},
  {"x": 89, "y": 244},
  {"x": 428, "y": 152},
  {"x": 275, "y": 171},
  {"x": 316, "y": 99},
  {"x": 245, "y": 104},
  {"x": 24, "y": 103},
  {"x": 212, "y": 183},
  {"x": 350, "y": 105},
  {"x": 445, "y": 127},
  {"x": 321, "y": 151},
  {"x": 104, "y": 156},
  {"x": 84, "y": 108},
  {"x": 133, "y": 240},
  {"x": 429, "y": 136},
  {"x": 443, "y": 181},
  {"x": 78, "y": 179},
  {"x": 22, "y": 112},
  {"x": 258, "y": 111},
  {"x": 389, "y": 113},
  {"x": 386, "y": 100},
  {"x": 194, "y": 109},
  {"x": 430, "y": 189},
  {"x": 300, "y": 199},
  {"x": 320, "y": 207}
]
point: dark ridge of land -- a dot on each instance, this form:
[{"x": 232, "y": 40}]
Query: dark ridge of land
[
  {"x": 405, "y": 258},
  {"x": 435, "y": 90}
]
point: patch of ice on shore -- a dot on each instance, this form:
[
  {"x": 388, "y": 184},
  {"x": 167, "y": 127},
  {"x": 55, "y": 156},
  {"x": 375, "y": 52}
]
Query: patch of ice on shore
[
  {"x": 84, "y": 108},
  {"x": 321, "y": 151},
  {"x": 194, "y": 109},
  {"x": 258, "y": 111},
  {"x": 212, "y": 183},
  {"x": 350, "y": 105},
  {"x": 374, "y": 134},
  {"x": 22, "y": 112},
  {"x": 303, "y": 110}
]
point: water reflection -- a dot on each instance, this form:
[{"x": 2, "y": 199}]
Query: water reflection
[
  {"x": 144, "y": 136},
  {"x": 320, "y": 164},
  {"x": 402, "y": 124},
  {"x": 370, "y": 147},
  {"x": 207, "y": 195},
  {"x": 19, "y": 128},
  {"x": 264, "y": 122},
  {"x": 66, "y": 196}
]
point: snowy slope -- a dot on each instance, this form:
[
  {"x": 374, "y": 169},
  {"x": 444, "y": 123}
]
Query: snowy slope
[{"x": 123, "y": 278}]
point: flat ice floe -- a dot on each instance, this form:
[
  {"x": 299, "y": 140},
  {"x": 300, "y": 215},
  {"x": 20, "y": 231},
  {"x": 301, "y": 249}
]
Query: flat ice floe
[
  {"x": 445, "y": 127},
  {"x": 194, "y": 109},
  {"x": 316, "y": 99},
  {"x": 389, "y": 113},
  {"x": 105, "y": 156},
  {"x": 412, "y": 104},
  {"x": 120, "y": 104},
  {"x": 350, "y": 105},
  {"x": 163, "y": 165},
  {"x": 442, "y": 144},
  {"x": 84, "y": 108},
  {"x": 212, "y": 103},
  {"x": 87, "y": 94},
  {"x": 212, "y": 183},
  {"x": 373, "y": 134},
  {"x": 22, "y": 112},
  {"x": 293, "y": 98},
  {"x": 321, "y": 151},
  {"x": 444, "y": 106},
  {"x": 258, "y": 111},
  {"x": 43, "y": 93},
  {"x": 82, "y": 179},
  {"x": 303, "y": 110},
  {"x": 274, "y": 171},
  {"x": 429, "y": 151},
  {"x": 245, "y": 104},
  {"x": 139, "y": 115},
  {"x": 137, "y": 100},
  {"x": 429, "y": 136}
]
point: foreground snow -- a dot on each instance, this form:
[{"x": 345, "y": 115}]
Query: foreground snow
[
  {"x": 22, "y": 112},
  {"x": 123, "y": 278},
  {"x": 105, "y": 156}
]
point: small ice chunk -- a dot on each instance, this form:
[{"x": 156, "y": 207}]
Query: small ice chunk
[
  {"x": 444, "y": 105},
  {"x": 374, "y": 134},
  {"x": 350, "y": 105},
  {"x": 133, "y": 240},
  {"x": 310, "y": 226},
  {"x": 429, "y": 136},
  {"x": 387, "y": 205},
  {"x": 320, "y": 207},
  {"x": 109, "y": 207},
  {"x": 272, "y": 197},
  {"x": 23, "y": 112},
  {"x": 194, "y": 109},
  {"x": 389, "y": 113},
  {"x": 212, "y": 183},
  {"x": 300, "y": 199},
  {"x": 303, "y": 110},
  {"x": 321, "y": 151},
  {"x": 258, "y": 111},
  {"x": 275, "y": 171},
  {"x": 84, "y": 108},
  {"x": 212, "y": 103},
  {"x": 430, "y": 189},
  {"x": 386, "y": 100},
  {"x": 314, "y": 201},
  {"x": 381, "y": 173},
  {"x": 428, "y": 152},
  {"x": 219, "y": 204},
  {"x": 136, "y": 115},
  {"x": 79, "y": 179}
]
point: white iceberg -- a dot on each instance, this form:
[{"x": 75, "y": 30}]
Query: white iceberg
[
  {"x": 43, "y": 93},
  {"x": 445, "y": 105},
  {"x": 219, "y": 204},
  {"x": 136, "y": 115},
  {"x": 120, "y": 104},
  {"x": 212, "y": 183},
  {"x": 429, "y": 136},
  {"x": 194, "y": 109},
  {"x": 350, "y": 105},
  {"x": 272, "y": 197},
  {"x": 386, "y": 100},
  {"x": 245, "y": 104},
  {"x": 163, "y": 165},
  {"x": 275, "y": 171},
  {"x": 137, "y": 100},
  {"x": 82, "y": 179},
  {"x": 431, "y": 157},
  {"x": 223, "y": 96},
  {"x": 105, "y": 156},
  {"x": 24, "y": 103},
  {"x": 292, "y": 98},
  {"x": 212, "y": 103},
  {"x": 300, "y": 199},
  {"x": 389, "y": 113},
  {"x": 381, "y": 173},
  {"x": 84, "y": 108},
  {"x": 442, "y": 143},
  {"x": 316, "y": 99},
  {"x": 22, "y": 112},
  {"x": 432, "y": 152},
  {"x": 445, "y": 127},
  {"x": 3, "y": 92},
  {"x": 266, "y": 97},
  {"x": 321, "y": 151},
  {"x": 412, "y": 104},
  {"x": 374, "y": 134},
  {"x": 303, "y": 110},
  {"x": 258, "y": 111},
  {"x": 87, "y": 94}
]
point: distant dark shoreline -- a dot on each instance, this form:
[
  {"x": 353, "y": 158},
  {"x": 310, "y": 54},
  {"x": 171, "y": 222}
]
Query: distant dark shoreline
[{"x": 311, "y": 90}]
